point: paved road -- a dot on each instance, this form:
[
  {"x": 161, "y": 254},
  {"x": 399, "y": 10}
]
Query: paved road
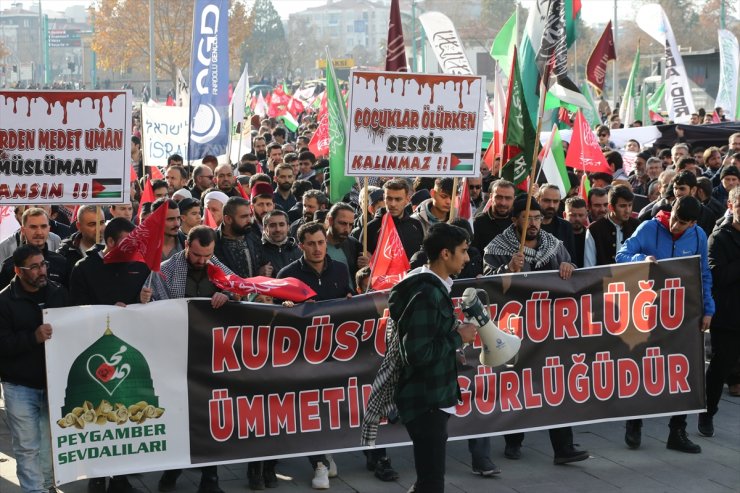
[{"x": 612, "y": 467}]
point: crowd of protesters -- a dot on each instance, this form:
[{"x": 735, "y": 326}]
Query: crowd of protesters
[{"x": 270, "y": 215}]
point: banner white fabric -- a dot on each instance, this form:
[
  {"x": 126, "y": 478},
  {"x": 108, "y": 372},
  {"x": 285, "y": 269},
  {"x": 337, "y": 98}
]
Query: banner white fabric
[
  {"x": 448, "y": 49},
  {"x": 652, "y": 19},
  {"x": 729, "y": 66}
]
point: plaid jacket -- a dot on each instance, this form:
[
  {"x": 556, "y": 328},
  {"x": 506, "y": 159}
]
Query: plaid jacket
[{"x": 424, "y": 314}]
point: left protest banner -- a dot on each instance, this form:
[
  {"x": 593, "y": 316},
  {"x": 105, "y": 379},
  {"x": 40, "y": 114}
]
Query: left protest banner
[
  {"x": 65, "y": 147},
  {"x": 403, "y": 124},
  {"x": 120, "y": 395},
  {"x": 164, "y": 131}
]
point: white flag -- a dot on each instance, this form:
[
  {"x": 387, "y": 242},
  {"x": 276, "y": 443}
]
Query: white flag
[
  {"x": 729, "y": 65},
  {"x": 652, "y": 19}
]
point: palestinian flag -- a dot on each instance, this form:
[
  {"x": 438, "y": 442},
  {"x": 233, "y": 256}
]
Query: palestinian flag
[
  {"x": 462, "y": 161},
  {"x": 107, "y": 188}
]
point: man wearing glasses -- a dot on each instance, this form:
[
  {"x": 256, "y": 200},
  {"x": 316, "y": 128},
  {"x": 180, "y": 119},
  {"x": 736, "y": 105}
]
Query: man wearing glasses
[
  {"x": 202, "y": 180},
  {"x": 475, "y": 187},
  {"x": 23, "y": 366},
  {"x": 542, "y": 251}
]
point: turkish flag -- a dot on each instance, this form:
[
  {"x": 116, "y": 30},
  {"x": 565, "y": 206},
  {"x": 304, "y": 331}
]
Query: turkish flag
[
  {"x": 295, "y": 107},
  {"x": 156, "y": 173},
  {"x": 147, "y": 196},
  {"x": 389, "y": 263},
  {"x": 279, "y": 102},
  {"x": 290, "y": 289},
  {"x": 208, "y": 219},
  {"x": 584, "y": 151},
  {"x": 241, "y": 190},
  {"x": 319, "y": 144},
  {"x": 463, "y": 206},
  {"x": 143, "y": 244}
]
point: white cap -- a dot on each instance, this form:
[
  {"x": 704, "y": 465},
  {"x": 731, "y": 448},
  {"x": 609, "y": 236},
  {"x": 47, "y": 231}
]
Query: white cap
[{"x": 215, "y": 195}]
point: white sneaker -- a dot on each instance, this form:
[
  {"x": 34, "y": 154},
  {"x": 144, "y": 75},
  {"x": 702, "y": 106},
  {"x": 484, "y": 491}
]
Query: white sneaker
[
  {"x": 320, "y": 479},
  {"x": 332, "y": 466}
]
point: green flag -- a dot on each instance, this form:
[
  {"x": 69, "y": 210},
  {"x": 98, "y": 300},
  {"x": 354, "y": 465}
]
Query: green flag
[
  {"x": 572, "y": 13},
  {"x": 627, "y": 109},
  {"x": 519, "y": 133},
  {"x": 503, "y": 45},
  {"x": 339, "y": 184},
  {"x": 656, "y": 100},
  {"x": 591, "y": 113}
]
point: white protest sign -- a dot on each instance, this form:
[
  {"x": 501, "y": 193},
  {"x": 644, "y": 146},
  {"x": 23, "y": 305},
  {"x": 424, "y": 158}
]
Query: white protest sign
[
  {"x": 401, "y": 124},
  {"x": 65, "y": 147},
  {"x": 118, "y": 400},
  {"x": 164, "y": 131}
]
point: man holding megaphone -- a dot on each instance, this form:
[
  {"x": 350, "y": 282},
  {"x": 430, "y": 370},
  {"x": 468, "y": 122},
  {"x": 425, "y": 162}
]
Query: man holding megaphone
[{"x": 429, "y": 336}]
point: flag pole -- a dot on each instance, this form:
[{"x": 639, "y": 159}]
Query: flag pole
[
  {"x": 453, "y": 210},
  {"x": 541, "y": 110},
  {"x": 98, "y": 211},
  {"x": 364, "y": 215}
]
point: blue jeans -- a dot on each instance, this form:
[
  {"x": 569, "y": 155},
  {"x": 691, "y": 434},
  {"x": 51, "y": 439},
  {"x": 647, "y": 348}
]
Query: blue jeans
[{"x": 28, "y": 418}]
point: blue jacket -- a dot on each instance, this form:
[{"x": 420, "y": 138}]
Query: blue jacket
[{"x": 653, "y": 238}]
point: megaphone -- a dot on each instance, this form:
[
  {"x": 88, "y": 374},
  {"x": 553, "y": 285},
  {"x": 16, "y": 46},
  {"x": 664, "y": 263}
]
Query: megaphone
[{"x": 498, "y": 346}]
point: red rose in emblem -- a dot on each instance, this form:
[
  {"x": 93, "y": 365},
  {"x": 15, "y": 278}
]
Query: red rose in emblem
[{"x": 105, "y": 372}]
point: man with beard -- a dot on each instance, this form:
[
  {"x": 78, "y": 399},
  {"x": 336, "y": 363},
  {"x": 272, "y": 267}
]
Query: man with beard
[
  {"x": 712, "y": 158},
  {"x": 340, "y": 246},
  {"x": 605, "y": 237},
  {"x": 549, "y": 199},
  {"x": 639, "y": 178},
  {"x": 262, "y": 203},
  {"x": 35, "y": 231},
  {"x": 177, "y": 178},
  {"x": 396, "y": 195},
  {"x": 542, "y": 251},
  {"x": 284, "y": 178},
  {"x": 312, "y": 201},
  {"x": 235, "y": 245},
  {"x": 496, "y": 215},
  {"x": 90, "y": 221},
  {"x": 278, "y": 249},
  {"x": 202, "y": 181},
  {"x": 187, "y": 277},
  {"x": 23, "y": 365},
  {"x": 576, "y": 213},
  {"x": 598, "y": 203},
  {"x": 475, "y": 188},
  {"x": 259, "y": 147},
  {"x": 174, "y": 240},
  {"x": 225, "y": 181}
]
